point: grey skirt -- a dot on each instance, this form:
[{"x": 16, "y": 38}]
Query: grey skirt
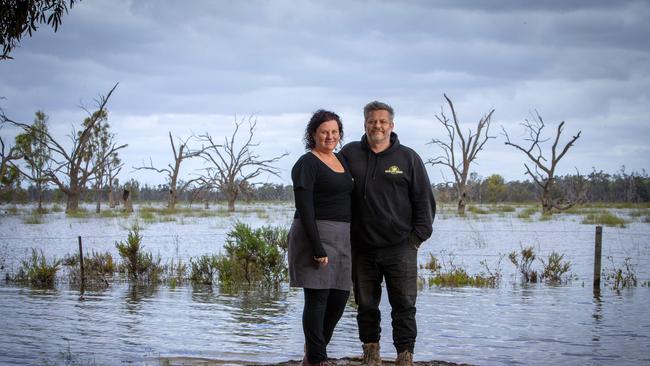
[{"x": 305, "y": 272}]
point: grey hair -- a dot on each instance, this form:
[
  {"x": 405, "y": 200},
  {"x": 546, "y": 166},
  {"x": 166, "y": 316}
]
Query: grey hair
[{"x": 377, "y": 106}]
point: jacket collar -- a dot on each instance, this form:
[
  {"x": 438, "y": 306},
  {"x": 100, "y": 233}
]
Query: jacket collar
[{"x": 394, "y": 144}]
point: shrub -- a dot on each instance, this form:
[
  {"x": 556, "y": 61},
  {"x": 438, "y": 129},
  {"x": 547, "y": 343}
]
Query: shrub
[
  {"x": 254, "y": 256},
  {"x": 621, "y": 276},
  {"x": 37, "y": 271},
  {"x": 527, "y": 212},
  {"x": 176, "y": 272},
  {"x": 554, "y": 267},
  {"x": 452, "y": 275},
  {"x": 525, "y": 263},
  {"x": 139, "y": 265},
  {"x": 98, "y": 267},
  {"x": 204, "y": 269}
]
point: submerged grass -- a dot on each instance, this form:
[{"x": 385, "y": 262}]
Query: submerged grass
[
  {"x": 37, "y": 270},
  {"x": 527, "y": 212},
  {"x": 33, "y": 219},
  {"x": 604, "y": 218},
  {"x": 451, "y": 275},
  {"x": 477, "y": 210}
]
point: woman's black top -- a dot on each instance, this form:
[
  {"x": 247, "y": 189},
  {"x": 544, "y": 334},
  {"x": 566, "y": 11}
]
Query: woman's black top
[{"x": 320, "y": 194}]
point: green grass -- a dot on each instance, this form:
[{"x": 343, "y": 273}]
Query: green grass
[
  {"x": 504, "y": 208},
  {"x": 458, "y": 277},
  {"x": 109, "y": 214},
  {"x": 527, "y": 212},
  {"x": 80, "y": 213},
  {"x": 56, "y": 208},
  {"x": 605, "y": 218},
  {"x": 33, "y": 219},
  {"x": 477, "y": 210}
]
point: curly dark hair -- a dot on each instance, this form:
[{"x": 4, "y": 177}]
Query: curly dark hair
[{"x": 318, "y": 118}]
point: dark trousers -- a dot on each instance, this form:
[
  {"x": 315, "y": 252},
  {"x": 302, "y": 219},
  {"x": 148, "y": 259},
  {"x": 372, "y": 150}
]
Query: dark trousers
[
  {"x": 323, "y": 309},
  {"x": 398, "y": 265}
]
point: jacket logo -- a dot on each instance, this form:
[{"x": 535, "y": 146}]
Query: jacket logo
[{"x": 393, "y": 170}]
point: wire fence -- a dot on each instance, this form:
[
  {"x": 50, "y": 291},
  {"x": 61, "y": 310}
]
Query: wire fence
[{"x": 468, "y": 246}]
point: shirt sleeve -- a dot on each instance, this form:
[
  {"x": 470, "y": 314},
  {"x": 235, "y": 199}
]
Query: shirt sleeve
[
  {"x": 303, "y": 176},
  {"x": 422, "y": 201}
]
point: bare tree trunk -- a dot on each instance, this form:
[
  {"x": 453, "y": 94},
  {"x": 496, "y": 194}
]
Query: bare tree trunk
[
  {"x": 39, "y": 188},
  {"x": 128, "y": 204},
  {"x": 72, "y": 204},
  {"x": 462, "y": 203},
  {"x": 231, "y": 204},
  {"x": 171, "y": 200},
  {"x": 98, "y": 197},
  {"x": 111, "y": 198}
]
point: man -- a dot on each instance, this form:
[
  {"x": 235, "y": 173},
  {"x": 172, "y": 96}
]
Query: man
[{"x": 392, "y": 214}]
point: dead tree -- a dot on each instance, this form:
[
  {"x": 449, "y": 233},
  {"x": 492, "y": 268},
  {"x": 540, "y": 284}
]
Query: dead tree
[
  {"x": 543, "y": 171},
  {"x": 459, "y": 151},
  {"x": 230, "y": 167},
  {"x": 71, "y": 170},
  {"x": 115, "y": 165},
  {"x": 172, "y": 170}
]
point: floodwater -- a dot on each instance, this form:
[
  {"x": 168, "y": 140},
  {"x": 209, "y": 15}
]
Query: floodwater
[{"x": 509, "y": 325}]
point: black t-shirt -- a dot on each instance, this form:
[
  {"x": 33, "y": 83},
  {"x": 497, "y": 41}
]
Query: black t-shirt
[{"x": 320, "y": 194}]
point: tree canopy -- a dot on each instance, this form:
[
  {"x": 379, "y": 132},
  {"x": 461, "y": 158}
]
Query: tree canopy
[{"x": 20, "y": 17}]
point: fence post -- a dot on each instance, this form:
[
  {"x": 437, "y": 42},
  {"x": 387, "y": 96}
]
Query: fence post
[
  {"x": 81, "y": 264},
  {"x": 597, "y": 256}
]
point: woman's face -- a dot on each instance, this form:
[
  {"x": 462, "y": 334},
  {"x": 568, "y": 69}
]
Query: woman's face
[{"x": 327, "y": 136}]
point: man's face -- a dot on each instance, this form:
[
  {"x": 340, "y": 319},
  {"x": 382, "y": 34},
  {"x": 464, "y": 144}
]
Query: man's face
[{"x": 378, "y": 126}]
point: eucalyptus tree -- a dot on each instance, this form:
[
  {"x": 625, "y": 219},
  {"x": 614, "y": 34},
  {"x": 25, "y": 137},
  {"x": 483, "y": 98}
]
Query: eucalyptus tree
[
  {"x": 459, "y": 150},
  {"x": 543, "y": 169},
  {"x": 9, "y": 173},
  {"x": 21, "y": 17},
  {"x": 105, "y": 161},
  {"x": 72, "y": 168},
  {"x": 232, "y": 166},
  {"x": 33, "y": 149}
]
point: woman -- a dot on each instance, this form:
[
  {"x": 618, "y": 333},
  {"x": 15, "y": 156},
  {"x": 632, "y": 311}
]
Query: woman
[{"x": 319, "y": 238}]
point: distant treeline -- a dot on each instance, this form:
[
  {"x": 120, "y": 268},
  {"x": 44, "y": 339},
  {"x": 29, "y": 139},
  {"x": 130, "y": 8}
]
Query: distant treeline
[{"x": 599, "y": 187}]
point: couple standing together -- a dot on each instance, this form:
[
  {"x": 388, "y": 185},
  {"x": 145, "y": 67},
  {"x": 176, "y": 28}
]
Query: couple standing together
[{"x": 361, "y": 215}]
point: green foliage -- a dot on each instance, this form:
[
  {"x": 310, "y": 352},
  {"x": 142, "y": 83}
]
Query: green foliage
[
  {"x": 555, "y": 268},
  {"x": 139, "y": 265},
  {"x": 254, "y": 256},
  {"x": 527, "y": 212},
  {"x": 37, "y": 271},
  {"x": 477, "y": 210},
  {"x": 504, "y": 208},
  {"x": 458, "y": 277},
  {"x": 621, "y": 276},
  {"x": 452, "y": 275},
  {"x": 26, "y": 18},
  {"x": 496, "y": 190},
  {"x": 604, "y": 218},
  {"x": 98, "y": 267},
  {"x": 205, "y": 268},
  {"x": 176, "y": 272},
  {"x": 524, "y": 264}
]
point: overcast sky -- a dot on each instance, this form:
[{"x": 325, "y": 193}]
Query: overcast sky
[{"x": 192, "y": 67}]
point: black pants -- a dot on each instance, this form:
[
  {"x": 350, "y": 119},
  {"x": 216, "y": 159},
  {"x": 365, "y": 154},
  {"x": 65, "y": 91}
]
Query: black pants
[
  {"x": 323, "y": 309},
  {"x": 398, "y": 265}
]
